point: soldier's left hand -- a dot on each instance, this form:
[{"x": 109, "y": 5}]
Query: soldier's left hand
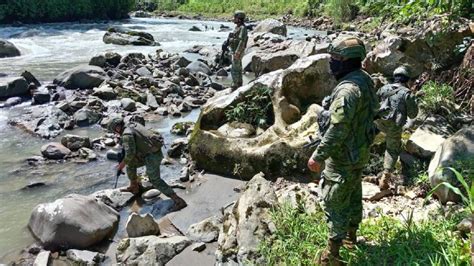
[
  {"x": 314, "y": 166},
  {"x": 237, "y": 56}
]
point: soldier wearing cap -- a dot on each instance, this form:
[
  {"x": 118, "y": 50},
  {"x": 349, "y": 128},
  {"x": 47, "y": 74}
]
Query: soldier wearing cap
[
  {"x": 238, "y": 42},
  {"x": 344, "y": 147},
  {"x": 397, "y": 103}
]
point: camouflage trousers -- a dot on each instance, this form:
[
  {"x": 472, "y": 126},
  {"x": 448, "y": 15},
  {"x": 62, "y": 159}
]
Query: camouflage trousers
[
  {"x": 393, "y": 143},
  {"x": 236, "y": 72},
  {"x": 341, "y": 189},
  {"x": 152, "y": 163}
]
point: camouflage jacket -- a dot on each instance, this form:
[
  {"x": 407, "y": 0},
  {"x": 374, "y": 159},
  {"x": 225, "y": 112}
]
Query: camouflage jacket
[
  {"x": 397, "y": 102},
  {"x": 138, "y": 142},
  {"x": 353, "y": 107},
  {"x": 238, "y": 39}
]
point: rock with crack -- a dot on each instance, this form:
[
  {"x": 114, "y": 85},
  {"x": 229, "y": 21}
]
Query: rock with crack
[
  {"x": 81, "y": 77},
  {"x": 247, "y": 223},
  {"x": 150, "y": 250},
  {"x": 277, "y": 151},
  {"x": 205, "y": 231},
  {"x": 142, "y": 225},
  {"x": 84, "y": 257},
  {"x": 456, "y": 152},
  {"x": 75, "y": 221}
]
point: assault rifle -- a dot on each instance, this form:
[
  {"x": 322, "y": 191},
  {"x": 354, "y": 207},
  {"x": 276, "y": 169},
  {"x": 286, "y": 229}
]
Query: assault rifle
[
  {"x": 324, "y": 120},
  {"x": 225, "y": 50}
]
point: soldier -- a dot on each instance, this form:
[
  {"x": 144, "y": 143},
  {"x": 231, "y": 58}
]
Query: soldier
[
  {"x": 397, "y": 102},
  {"x": 143, "y": 148},
  {"x": 238, "y": 42},
  {"x": 344, "y": 147}
]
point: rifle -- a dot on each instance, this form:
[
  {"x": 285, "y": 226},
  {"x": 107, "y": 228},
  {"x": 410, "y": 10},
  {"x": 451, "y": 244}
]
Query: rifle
[
  {"x": 121, "y": 156},
  {"x": 313, "y": 143},
  {"x": 324, "y": 120},
  {"x": 225, "y": 49}
]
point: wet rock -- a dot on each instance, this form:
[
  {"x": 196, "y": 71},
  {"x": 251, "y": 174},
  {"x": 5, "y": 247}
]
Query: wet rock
[
  {"x": 142, "y": 225},
  {"x": 182, "y": 62},
  {"x": 13, "y": 86},
  {"x": 128, "y": 37},
  {"x": 113, "y": 58},
  {"x": 182, "y": 128},
  {"x": 81, "y": 77},
  {"x": 174, "y": 111},
  {"x": 87, "y": 154},
  {"x": 237, "y": 130},
  {"x": 191, "y": 81},
  {"x": 113, "y": 197},
  {"x": 271, "y": 26},
  {"x": 222, "y": 73},
  {"x": 55, "y": 151},
  {"x": 178, "y": 148},
  {"x": 128, "y": 104},
  {"x": 84, "y": 257},
  {"x": 74, "y": 142},
  {"x": 195, "y": 28},
  {"x": 8, "y": 49},
  {"x": 86, "y": 117},
  {"x": 150, "y": 250},
  {"x": 41, "y": 97},
  {"x": 98, "y": 60},
  {"x": 247, "y": 223},
  {"x": 454, "y": 152},
  {"x": 105, "y": 92},
  {"x": 30, "y": 78},
  {"x": 144, "y": 72},
  {"x": 150, "y": 194},
  {"x": 198, "y": 66},
  {"x": 75, "y": 221},
  {"x": 205, "y": 231},
  {"x": 12, "y": 101},
  {"x": 42, "y": 259},
  {"x": 428, "y": 137}
]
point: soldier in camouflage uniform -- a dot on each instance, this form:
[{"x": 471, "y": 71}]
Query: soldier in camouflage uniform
[
  {"x": 344, "y": 147},
  {"x": 397, "y": 102},
  {"x": 142, "y": 148},
  {"x": 238, "y": 42}
]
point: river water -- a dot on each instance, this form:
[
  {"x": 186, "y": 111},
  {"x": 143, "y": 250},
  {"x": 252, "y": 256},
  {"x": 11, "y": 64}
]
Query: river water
[{"x": 47, "y": 50}]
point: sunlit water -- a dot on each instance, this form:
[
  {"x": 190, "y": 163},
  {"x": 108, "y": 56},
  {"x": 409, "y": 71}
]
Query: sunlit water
[{"x": 47, "y": 50}]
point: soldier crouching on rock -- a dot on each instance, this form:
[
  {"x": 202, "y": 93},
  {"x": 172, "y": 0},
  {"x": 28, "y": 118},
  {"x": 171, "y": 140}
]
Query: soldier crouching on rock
[
  {"x": 344, "y": 148},
  {"x": 143, "y": 148}
]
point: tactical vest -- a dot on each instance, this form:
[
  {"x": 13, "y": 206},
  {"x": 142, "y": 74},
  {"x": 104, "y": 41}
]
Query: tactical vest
[
  {"x": 392, "y": 103},
  {"x": 146, "y": 141},
  {"x": 239, "y": 35}
]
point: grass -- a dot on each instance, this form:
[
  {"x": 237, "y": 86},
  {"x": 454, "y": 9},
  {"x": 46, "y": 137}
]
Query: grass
[
  {"x": 438, "y": 98},
  {"x": 300, "y": 237}
]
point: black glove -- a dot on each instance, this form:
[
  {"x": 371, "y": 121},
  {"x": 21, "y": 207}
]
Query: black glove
[{"x": 119, "y": 172}]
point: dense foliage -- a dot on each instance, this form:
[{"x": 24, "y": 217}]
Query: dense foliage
[
  {"x": 62, "y": 10},
  {"x": 254, "y": 109}
]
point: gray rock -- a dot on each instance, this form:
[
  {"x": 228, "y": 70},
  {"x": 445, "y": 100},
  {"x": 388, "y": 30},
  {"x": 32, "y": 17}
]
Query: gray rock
[
  {"x": 84, "y": 257},
  {"x": 182, "y": 62},
  {"x": 75, "y": 221},
  {"x": 105, "y": 92},
  {"x": 465, "y": 226},
  {"x": 237, "y": 130},
  {"x": 178, "y": 148},
  {"x": 13, "y": 86},
  {"x": 271, "y": 26},
  {"x": 150, "y": 194},
  {"x": 87, "y": 154},
  {"x": 205, "y": 231},
  {"x": 12, "y": 101},
  {"x": 42, "y": 258},
  {"x": 454, "y": 152},
  {"x": 428, "y": 137},
  {"x": 86, "y": 117},
  {"x": 55, "y": 151},
  {"x": 41, "y": 97},
  {"x": 195, "y": 28},
  {"x": 198, "y": 247},
  {"x": 128, "y": 104},
  {"x": 74, "y": 142},
  {"x": 8, "y": 49},
  {"x": 30, "y": 78},
  {"x": 113, "y": 58},
  {"x": 142, "y": 225},
  {"x": 81, "y": 77},
  {"x": 98, "y": 60},
  {"x": 198, "y": 66},
  {"x": 113, "y": 197},
  {"x": 122, "y": 37},
  {"x": 143, "y": 71},
  {"x": 222, "y": 73},
  {"x": 150, "y": 250},
  {"x": 182, "y": 128},
  {"x": 151, "y": 101}
]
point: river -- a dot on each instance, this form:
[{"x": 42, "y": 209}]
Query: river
[{"x": 47, "y": 50}]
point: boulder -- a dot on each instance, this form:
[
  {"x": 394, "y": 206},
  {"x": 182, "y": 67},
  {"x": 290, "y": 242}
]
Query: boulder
[
  {"x": 222, "y": 73},
  {"x": 128, "y": 104},
  {"x": 182, "y": 62},
  {"x": 105, "y": 92},
  {"x": 456, "y": 152},
  {"x": 142, "y": 225},
  {"x": 144, "y": 72},
  {"x": 55, "y": 151},
  {"x": 41, "y": 96},
  {"x": 112, "y": 58},
  {"x": 272, "y": 26},
  {"x": 42, "y": 259},
  {"x": 182, "y": 128},
  {"x": 113, "y": 197},
  {"x": 30, "y": 78},
  {"x": 195, "y": 28},
  {"x": 44, "y": 121},
  {"x": 84, "y": 257},
  {"x": 8, "y": 49},
  {"x": 86, "y": 117},
  {"x": 248, "y": 223},
  {"x": 150, "y": 250},
  {"x": 128, "y": 37},
  {"x": 81, "y": 77},
  {"x": 198, "y": 66},
  {"x": 75, "y": 221},
  {"x": 98, "y": 60},
  {"x": 13, "y": 86},
  {"x": 279, "y": 150},
  {"x": 12, "y": 101},
  {"x": 178, "y": 148},
  {"x": 205, "y": 231},
  {"x": 74, "y": 142},
  {"x": 428, "y": 137}
]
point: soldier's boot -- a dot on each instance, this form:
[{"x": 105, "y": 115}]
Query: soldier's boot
[
  {"x": 351, "y": 239},
  {"x": 179, "y": 203},
  {"x": 385, "y": 180},
  {"x": 133, "y": 188},
  {"x": 331, "y": 256}
]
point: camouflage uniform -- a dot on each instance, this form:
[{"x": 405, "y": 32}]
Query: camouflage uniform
[
  {"x": 238, "y": 43},
  {"x": 345, "y": 150},
  {"x": 139, "y": 152},
  {"x": 402, "y": 104}
]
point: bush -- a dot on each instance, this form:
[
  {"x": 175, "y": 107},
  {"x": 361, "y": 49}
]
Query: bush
[
  {"x": 29, "y": 11},
  {"x": 437, "y": 98},
  {"x": 254, "y": 109}
]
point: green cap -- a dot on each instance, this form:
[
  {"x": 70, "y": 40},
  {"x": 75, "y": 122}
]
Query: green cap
[
  {"x": 349, "y": 47},
  {"x": 402, "y": 71},
  {"x": 239, "y": 14},
  {"x": 114, "y": 122}
]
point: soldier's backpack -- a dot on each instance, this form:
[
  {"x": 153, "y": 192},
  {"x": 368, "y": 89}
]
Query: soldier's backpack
[
  {"x": 392, "y": 103},
  {"x": 151, "y": 139}
]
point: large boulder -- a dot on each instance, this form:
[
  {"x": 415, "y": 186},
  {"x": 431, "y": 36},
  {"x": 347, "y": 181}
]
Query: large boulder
[
  {"x": 55, "y": 151},
  {"x": 142, "y": 225},
  {"x": 13, "y": 86},
  {"x": 205, "y": 231},
  {"x": 8, "y": 49},
  {"x": 75, "y": 221},
  {"x": 86, "y": 117},
  {"x": 278, "y": 150},
  {"x": 150, "y": 250},
  {"x": 272, "y": 26},
  {"x": 74, "y": 142},
  {"x": 457, "y": 152},
  {"x": 247, "y": 223},
  {"x": 81, "y": 77},
  {"x": 128, "y": 37},
  {"x": 198, "y": 66}
]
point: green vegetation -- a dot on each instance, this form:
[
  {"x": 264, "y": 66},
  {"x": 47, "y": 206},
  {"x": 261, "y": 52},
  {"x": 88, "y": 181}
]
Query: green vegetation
[
  {"x": 437, "y": 98},
  {"x": 63, "y": 10},
  {"x": 300, "y": 238},
  {"x": 254, "y": 109}
]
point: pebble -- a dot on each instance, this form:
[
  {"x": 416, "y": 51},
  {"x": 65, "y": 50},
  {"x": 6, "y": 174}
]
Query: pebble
[{"x": 152, "y": 193}]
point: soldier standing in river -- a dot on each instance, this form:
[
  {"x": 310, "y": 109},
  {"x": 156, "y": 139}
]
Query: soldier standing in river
[
  {"x": 238, "y": 42},
  {"x": 345, "y": 146},
  {"x": 397, "y": 103},
  {"x": 143, "y": 148}
]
